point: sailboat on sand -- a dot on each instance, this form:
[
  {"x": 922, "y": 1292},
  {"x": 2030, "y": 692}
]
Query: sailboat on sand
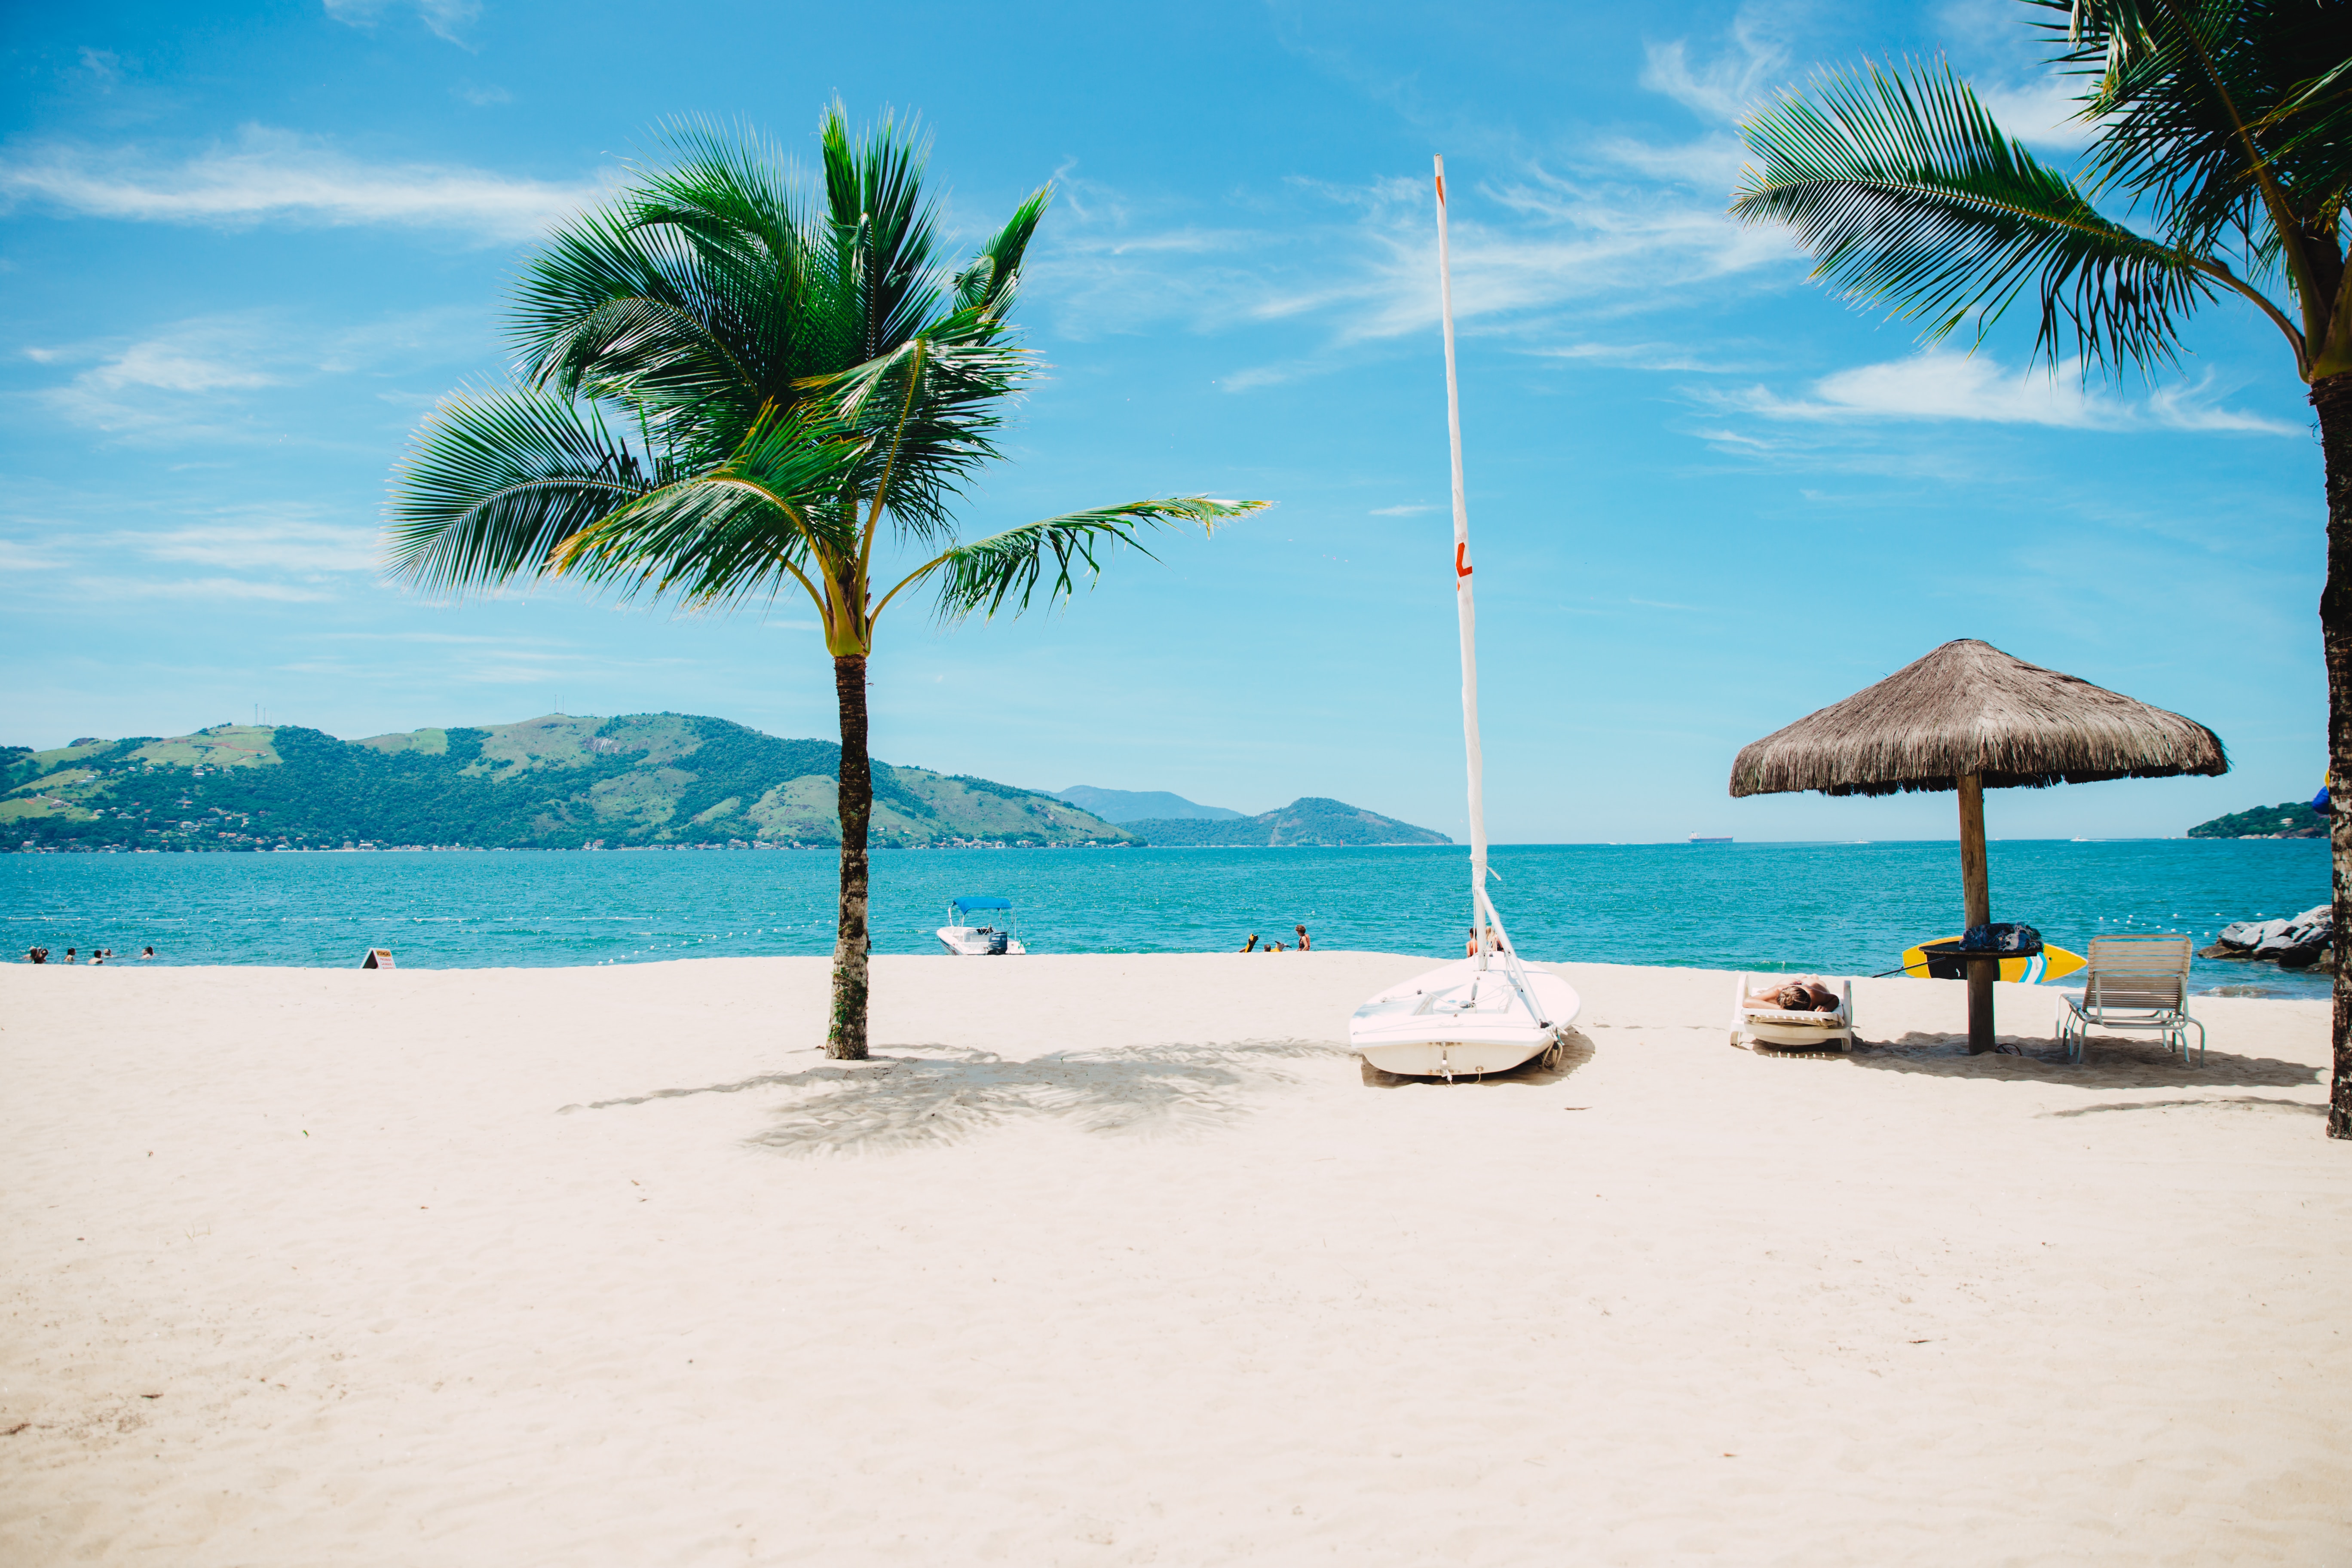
[{"x": 1488, "y": 1011}]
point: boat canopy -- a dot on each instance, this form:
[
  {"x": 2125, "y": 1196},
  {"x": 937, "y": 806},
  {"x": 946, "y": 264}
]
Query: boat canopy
[{"x": 980, "y": 903}]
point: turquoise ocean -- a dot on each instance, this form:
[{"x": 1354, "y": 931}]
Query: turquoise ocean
[{"x": 1837, "y": 908}]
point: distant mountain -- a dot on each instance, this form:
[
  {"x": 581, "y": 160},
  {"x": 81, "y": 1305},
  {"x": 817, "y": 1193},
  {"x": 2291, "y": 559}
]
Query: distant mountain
[
  {"x": 1130, "y": 805},
  {"x": 643, "y": 780},
  {"x": 1310, "y": 820},
  {"x": 2288, "y": 819}
]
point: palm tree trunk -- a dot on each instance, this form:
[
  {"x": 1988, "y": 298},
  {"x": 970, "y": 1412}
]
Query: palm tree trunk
[
  {"x": 846, "y": 1037},
  {"x": 2331, "y": 396}
]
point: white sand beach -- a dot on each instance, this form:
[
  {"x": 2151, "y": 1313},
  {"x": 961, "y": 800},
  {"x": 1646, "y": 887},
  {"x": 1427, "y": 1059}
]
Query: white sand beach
[{"x": 1122, "y": 1260}]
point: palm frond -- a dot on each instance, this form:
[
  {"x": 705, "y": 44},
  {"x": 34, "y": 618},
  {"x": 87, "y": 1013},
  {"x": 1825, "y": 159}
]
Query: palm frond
[
  {"x": 736, "y": 530},
  {"x": 1912, "y": 198},
  {"x": 495, "y": 483},
  {"x": 1010, "y": 567},
  {"x": 2220, "y": 116},
  {"x": 929, "y": 411},
  {"x": 986, "y": 288},
  {"x": 882, "y": 227},
  {"x": 626, "y": 304}
]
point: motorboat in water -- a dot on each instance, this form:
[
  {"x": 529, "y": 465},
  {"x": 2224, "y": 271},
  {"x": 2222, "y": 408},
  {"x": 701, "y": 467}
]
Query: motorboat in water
[
  {"x": 1487, "y": 1012},
  {"x": 966, "y": 933}
]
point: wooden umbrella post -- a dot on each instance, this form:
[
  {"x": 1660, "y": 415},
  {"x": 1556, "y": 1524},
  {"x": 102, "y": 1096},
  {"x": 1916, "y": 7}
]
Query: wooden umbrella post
[{"x": 1976, "y": 895}]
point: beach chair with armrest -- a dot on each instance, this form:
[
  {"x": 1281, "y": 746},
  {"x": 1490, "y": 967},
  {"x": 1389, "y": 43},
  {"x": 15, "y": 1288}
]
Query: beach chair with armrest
[
  {"x": 1777, "y": 1028},
  {"x": 2132, "y": 983}
]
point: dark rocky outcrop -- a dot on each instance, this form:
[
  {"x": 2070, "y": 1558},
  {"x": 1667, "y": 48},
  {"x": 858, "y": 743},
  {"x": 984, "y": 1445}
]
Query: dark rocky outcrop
[{"x": 2305, "y": 942}]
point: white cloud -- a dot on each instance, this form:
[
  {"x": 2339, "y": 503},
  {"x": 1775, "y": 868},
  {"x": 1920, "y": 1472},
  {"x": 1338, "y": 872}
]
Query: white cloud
[
  {"x": 442, "y": 17},
  {"x": 199, "y": 588},
  {"x": 15, "y": 556},
  {"x": 1634, "y": 356},
  {"x": 276, "y": 174},
  {"x": 1941, "y": 384},
  {"x": 2039, "y": 113},
  {"x": 183, "y": 382},
  {"x": 1411, "y": 510},
  {"x": 285, "y": 545},
  {"x": 482, "y": 94},
  {"x": 1725, "y": 87},
  {"x": 1362, "y": 262}
]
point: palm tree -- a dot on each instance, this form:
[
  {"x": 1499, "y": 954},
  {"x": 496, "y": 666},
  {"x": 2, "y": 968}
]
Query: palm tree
[
  {"x": 2220, "y": 125},
  {"x": 726, "y": 392}
]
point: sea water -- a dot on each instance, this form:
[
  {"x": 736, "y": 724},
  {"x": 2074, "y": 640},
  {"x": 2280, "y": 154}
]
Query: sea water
[{"x": 1842, "y": 909}]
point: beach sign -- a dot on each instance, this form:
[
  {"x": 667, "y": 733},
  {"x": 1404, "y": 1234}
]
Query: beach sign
[{"x": 377, "y": 958}]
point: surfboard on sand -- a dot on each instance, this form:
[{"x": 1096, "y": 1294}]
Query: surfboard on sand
[{"x": 2051, "y": 964}]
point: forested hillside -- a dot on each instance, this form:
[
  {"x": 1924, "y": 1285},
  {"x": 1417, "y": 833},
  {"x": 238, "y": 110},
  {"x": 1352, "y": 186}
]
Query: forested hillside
[
  {"x": 1310, "y": 820},
  {"x": 642, "y": 780},
  {"x": 2288, "y": 819}
]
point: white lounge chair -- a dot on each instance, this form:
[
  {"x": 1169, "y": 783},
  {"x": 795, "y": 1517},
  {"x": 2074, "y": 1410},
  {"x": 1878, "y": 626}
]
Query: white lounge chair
[
  {"x": 1784, "y": 1030},
  {"x": 2132, "y": 983}
]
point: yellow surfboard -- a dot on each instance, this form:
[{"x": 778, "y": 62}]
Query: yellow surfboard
[{"x": 2049, "y": 964}]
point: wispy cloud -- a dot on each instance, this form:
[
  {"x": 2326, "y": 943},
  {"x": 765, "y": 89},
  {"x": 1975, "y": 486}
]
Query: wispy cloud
[
  {"x": 442, "y": 17},
  {"x": 193, "y": 379},
  {"x": 1940, "y": 384},
  {"x": 217, "y": 588},
  {"x": 290, "y": 545},
  {"x": 1412, "y": 508},
  {"x": 1545, "y": 245},
  {"x": 269, "y": 175},
  {"x": 1729, "y": 83}
]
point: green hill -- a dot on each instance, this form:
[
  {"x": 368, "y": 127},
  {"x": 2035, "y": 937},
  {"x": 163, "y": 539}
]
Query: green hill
[
  {"x": 2288, "y": 819},
  {"x": 1310, "y": 820},
  {"x": 651, "y": 780}
]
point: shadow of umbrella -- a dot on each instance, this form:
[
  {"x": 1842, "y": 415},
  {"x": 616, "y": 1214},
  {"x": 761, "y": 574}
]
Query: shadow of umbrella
[{"x": 2132, "y": 1064}]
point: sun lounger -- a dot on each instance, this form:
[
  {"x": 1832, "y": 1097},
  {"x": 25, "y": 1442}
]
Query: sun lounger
[
  {"x": 2132, "y": 983},
  {"x": 1780, "y": 1029}
]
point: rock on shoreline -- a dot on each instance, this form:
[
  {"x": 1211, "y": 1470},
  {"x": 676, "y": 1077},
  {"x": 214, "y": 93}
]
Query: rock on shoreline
[{"x": 2306, "y": 942}]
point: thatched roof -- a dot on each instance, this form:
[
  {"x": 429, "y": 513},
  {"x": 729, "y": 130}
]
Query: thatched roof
[{"x": 1968, "y": 708}]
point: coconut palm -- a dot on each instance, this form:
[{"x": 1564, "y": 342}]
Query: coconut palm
[
  {"x": 727, "y": 393},
  {"x": 2218, "y": 171}
]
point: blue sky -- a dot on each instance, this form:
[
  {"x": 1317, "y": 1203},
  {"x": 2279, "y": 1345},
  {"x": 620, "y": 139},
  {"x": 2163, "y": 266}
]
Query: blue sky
[{"x": 244, "y": 249}]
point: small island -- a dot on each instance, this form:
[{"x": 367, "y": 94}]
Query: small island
[{"x": 2288, "y": 819}]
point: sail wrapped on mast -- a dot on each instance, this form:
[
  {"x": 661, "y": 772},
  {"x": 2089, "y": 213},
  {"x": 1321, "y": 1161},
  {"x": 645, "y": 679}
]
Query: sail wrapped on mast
[{"x": 1456, "y": 1021}]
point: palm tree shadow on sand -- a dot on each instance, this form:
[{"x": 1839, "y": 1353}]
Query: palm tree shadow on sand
[
  {"x": 949, "y": 1094},
  {"x": 932, "y": 1096},
  {"x": 1527, "y": 1074},
  {"x": 2113, "y": 1063}
]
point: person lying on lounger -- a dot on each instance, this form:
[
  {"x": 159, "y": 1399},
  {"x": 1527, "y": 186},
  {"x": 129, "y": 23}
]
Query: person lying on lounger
[{"x": 1797, "y": 994}]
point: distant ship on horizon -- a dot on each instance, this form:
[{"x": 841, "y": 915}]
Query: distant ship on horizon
[{"x": 1706, "y": 838}]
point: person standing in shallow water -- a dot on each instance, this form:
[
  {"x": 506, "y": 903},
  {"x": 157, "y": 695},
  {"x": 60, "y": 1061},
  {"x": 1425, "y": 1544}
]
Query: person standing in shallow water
[{"x": 1303, "y": 945}]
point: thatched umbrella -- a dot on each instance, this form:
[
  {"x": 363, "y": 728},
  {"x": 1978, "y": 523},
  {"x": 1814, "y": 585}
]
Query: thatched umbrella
[{"x": 1968, "y": 717}]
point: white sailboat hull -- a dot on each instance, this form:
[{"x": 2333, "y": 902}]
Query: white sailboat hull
[{"x": 1456, "y": 1021}]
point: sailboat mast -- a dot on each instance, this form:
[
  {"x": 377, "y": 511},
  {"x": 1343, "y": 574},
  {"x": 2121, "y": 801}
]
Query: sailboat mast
[{"x": 1465, "y": 604}]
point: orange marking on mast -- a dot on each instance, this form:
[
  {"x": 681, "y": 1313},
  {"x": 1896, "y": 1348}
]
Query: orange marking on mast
[{"x": 1460, "y": 565}]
